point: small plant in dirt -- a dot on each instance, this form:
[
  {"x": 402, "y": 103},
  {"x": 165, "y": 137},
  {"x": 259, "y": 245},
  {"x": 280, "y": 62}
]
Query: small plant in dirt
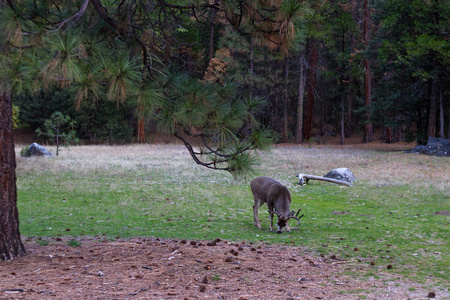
[
  {"x": 215, "y": 277},
  {"x": 74, "y": 243},
  {"x": 42, "y": 242}
]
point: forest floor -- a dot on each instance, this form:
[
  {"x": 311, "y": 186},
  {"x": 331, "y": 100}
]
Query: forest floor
[
  {"x": 151, "y": 268},
  {"x": 330, "y": 142},
  {"x": 26, "y": 137}
]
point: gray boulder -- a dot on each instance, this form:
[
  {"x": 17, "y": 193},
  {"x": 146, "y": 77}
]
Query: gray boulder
[
  {"x": 38, "y": 150},
  {"x": 435, "y": 146},
  {"x": 343, "y": 174}
]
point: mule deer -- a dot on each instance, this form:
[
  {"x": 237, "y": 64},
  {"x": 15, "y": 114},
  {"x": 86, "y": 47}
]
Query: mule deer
[{"x": 278, "y": 199}]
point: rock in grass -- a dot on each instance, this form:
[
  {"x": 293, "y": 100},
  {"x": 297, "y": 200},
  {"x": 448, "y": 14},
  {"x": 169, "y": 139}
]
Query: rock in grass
[
  {"x": 435, "y": 146},
  {"x": 343, "y": 174},
  {"x": 37, "y": 150}
]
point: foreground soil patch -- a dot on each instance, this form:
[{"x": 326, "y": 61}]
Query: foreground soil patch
[{"x": 148, "y": 268}]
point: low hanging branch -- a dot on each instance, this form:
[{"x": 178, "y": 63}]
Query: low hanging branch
[
  {"x": 222, "y": 158},
  {"x": 194, "y": 155},
  {"x": 304, "y": 178}
]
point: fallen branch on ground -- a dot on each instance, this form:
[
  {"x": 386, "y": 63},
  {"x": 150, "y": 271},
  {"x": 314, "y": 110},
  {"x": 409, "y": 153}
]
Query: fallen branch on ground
[{"x": 304, "y": 178}]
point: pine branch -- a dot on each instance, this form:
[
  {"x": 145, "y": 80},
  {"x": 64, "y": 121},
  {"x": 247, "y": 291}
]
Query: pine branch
[
  {"x": 101, "y": 10},
  {"x": 75, "y": 17},
  {"x": 211, "y": 165}
]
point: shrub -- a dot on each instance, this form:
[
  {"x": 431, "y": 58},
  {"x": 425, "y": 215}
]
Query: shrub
[{"x": 25, "y": 152}]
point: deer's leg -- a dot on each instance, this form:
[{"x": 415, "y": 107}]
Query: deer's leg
[
  {"x": 271, "y": 221},
  {"x": 256, "y": 206},
  {"x": 271, "y": 213},
  {"x": 288, "y": 229}
]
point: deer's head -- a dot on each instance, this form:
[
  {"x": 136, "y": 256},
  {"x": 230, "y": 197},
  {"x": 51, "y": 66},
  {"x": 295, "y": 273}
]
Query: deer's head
[{"x": 283, "y": 219}]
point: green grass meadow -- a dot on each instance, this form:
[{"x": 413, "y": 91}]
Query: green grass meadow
[{"x": 388, "y": 217}]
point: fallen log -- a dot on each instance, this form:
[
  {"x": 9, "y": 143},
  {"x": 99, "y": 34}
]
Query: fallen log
[{"x": 304, "y": 178}]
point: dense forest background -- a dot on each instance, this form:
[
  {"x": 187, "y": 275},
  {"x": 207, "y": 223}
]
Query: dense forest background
[{"x": 304, "y": 70}]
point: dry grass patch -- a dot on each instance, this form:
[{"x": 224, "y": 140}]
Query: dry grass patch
[{"x": 369, "y": 167}]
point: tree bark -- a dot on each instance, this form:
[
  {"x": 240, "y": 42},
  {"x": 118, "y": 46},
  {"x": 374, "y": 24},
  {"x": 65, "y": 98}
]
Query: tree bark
[
  {"x": 286, "y": 101},
  {"x": 349, "y": 122},
  {"x": 342, "y": 104},
  {"x": 140, "y": 134},
  {"x": 342, "y": 119},
  {"x": 441, "y": 112},
  {"x": 351, "y": 80},
  {"x": 448, "y": 130},
  {"x": 10, "y": 243},
  {"x": 301, "y": 91},
  {"x": 387, "y": 135},
  {"x": 310, "y": 88},
  {"x": 433, "y": 111},
  {"x": 368, "y": 130},
  {"x": 391, "y": 135},
  {"x": 141, "y": 131}
]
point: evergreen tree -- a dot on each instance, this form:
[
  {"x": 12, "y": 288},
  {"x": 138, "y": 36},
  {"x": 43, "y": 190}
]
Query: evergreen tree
[
  {"x": 118, "y": 49},
  {"x": 414, "y": 62},
  {"x": 368, "y": 128},
  {"x": 60, "y": 129}
]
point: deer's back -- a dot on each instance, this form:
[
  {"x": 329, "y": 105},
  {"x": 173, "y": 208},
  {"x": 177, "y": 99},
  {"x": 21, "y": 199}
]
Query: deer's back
[{"x": 268, "y": 189}]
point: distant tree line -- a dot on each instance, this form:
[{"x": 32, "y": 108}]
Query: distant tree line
[
  {"x": 355, "y": 66},
  {"x": 107, "y": 123},
  {"x": 322, "y": 67}
]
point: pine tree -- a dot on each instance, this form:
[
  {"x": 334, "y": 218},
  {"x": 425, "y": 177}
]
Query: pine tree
[
  {"x": 116, "y": 50},
  {"x": 413, "y": 55}
]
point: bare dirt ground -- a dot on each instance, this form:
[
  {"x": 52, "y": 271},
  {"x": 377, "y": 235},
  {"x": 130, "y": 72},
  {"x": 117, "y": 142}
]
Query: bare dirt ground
[{"x": 149, "y": 268}]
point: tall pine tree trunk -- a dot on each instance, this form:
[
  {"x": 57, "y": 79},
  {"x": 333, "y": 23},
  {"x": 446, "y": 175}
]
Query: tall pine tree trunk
[
  {"x": 10, "y": 243},
  {"x": 301, "y": 91},
  {"x": 432, "y": 112},
  {"x": 140, "y": 126},
  {"x": 286, "y": 101},
  {"x": 310, "y": 88},
  {"x": 351, "y": 80},
  {"x": 342, "y": 104},
  {"x": 141, "y": 131},
  {"x": 349, "y": 113},
  {"x": 342, "y": 119},
  {"x": 448, "y": 130},
  {"x": 441, "y": 112},
  {"x": 368, "y": 130}
]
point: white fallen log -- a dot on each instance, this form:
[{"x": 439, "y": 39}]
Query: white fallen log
[{"x": 304, "y": 178}]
